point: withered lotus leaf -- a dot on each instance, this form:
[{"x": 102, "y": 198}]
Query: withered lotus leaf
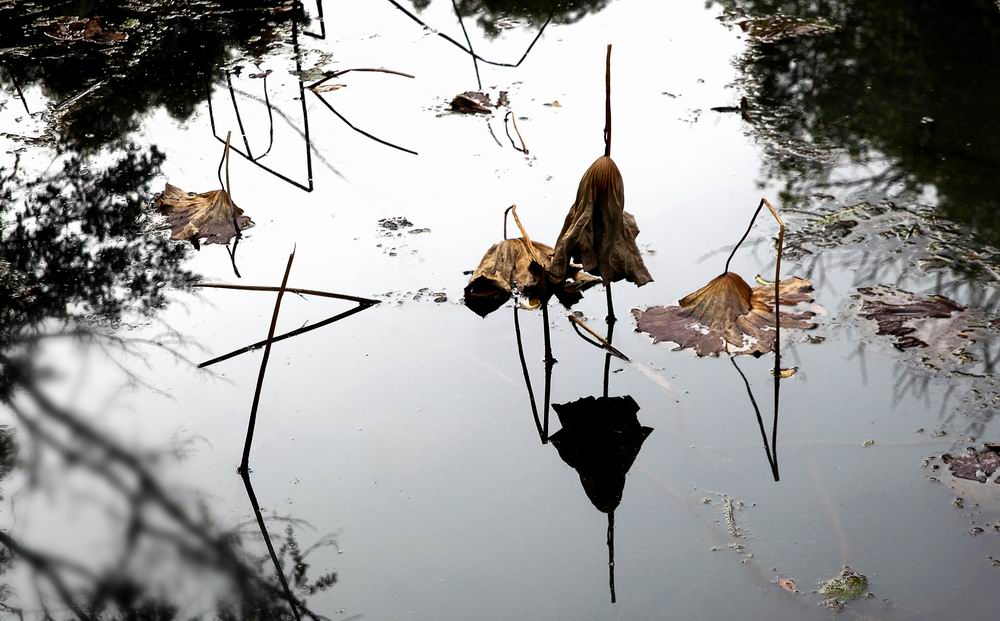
[
  {"x": 522, "y": 265},
  {"x": 727, "y": 314},
  {"x": 598, "y": 233},
  {"x": 975, "y": 465},
  {"x": 899, "y": 313},
  {"x": 209, "y": 216}
]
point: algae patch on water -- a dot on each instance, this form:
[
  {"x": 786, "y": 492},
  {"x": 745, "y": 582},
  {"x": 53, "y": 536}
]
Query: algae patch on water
[{"x": 846, "y": 586}]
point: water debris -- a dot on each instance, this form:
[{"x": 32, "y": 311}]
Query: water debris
[
  {"x": 727, "y": 315},
  {"x": 394, "y": 224},
  {"x": 897, "y": 312},
  {"x": 848, "y": 585},
  {"x": 785, "y": 373},
  {"x": 788, "y": 584},
  {"x": 472, "y": 102},
  {"x": 86, "y": 29},
  {"x": 729, "y": 511},
  {"x": 521, "y": 266},
  {"x": 975, "y": 465},
  {"x": 774, "y": 28},
  {"x": 326, "y": 88}
]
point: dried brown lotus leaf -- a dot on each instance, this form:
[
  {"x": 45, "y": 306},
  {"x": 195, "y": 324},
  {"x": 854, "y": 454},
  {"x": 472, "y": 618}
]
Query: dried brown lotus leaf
[
  {"x": 513, "y": 263},
  {"x": 726, "y": 314},
  {"x": 598, "y": 233},
  {"x": 209, "y": 216}
]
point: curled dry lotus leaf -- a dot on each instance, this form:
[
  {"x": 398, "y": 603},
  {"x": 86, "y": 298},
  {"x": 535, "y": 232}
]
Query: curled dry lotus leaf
[
  {"x": 598, "y": 233},
  {"x": 512, "y": 264},
  {"x": 726, "y": 314},
  {"x": 209, "y": 216}
]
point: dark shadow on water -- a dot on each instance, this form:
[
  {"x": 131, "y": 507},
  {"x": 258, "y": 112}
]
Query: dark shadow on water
[
  {"x": 902, "y": 93},
  {"x": 770, "y": 449}
]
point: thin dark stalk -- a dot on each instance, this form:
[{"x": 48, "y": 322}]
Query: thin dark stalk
[
  {"x": 745, "y": 235},
  {"x": 527, "y": 376},
  {"x": 611, "y": 555},
  {"x": 322, "y": 23},
  {"x": 244, "y": 463},
  {"x": 770, "y": 452},
  {"x": 475, "y": 62},
  {"x": 322, "y": 294},
  {"x": 337, "y": 74},
  {"x": 607, "y": 361},
  {"x": 270, "y": 121},
  {"x": 597, "y": 340},
  {"x": 359, "y": 130},
  {"x": 490, "y": 127},
  {"x": 17, "y": 87},
  {"x": 549, "y": 362},
  {"x": 270, "y": 546},
  {"x": 239, "y": 119},
  {"x": 607, "y": 105},
  {"x": 468, "y": 51},
  {"x": 232, "y": 252},
  {"x": 611, "y": 303},
  {"x": 286, "y": 335},
  {"x": 510, "y": 115}
]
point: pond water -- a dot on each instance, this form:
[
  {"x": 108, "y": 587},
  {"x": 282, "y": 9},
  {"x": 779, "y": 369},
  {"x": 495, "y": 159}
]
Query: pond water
[{"x": 397, "y": 463}]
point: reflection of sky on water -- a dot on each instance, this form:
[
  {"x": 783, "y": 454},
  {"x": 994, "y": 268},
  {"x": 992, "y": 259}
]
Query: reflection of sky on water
[{"x": 406, "y": 430}]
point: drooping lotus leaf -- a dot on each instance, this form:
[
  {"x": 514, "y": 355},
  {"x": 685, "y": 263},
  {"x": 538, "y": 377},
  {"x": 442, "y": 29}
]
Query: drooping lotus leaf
[
  {"x": 209, "y": 216},
  {"x": 975, "y": 465},
  {"x": 513, "y": 263},
  {"x": 598, "y": 233},
  {"x": 600, "y": 439},
  {"x": 726, "y": 314}
]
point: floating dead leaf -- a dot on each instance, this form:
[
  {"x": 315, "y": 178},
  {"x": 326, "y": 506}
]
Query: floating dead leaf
[
  {"x": 774, "y": 28},
  {"x": 975, "y": 465},
  {"x": 553, "y": 104},
  {"x": 786, "y": 373},
  {"x": 898, "y": 313},
  {"x": 598, "y": 232},
  {"x": 472, "y": 102},
  {"x": 726, "y": 314},
  {"x": 326, "y": 88},
  {"x": 88, "y": 29},
  {"x": 209, "y": 216},
  {"x": 788, "y": 584},
  {"x": 521, "y": 266}
]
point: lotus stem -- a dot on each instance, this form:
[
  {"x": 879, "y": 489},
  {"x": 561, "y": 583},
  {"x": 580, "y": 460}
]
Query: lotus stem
[
  {"x": 600, "y": 340},
  {"x": 607, "y": 105},
  {"x": 475, "y": 59}
]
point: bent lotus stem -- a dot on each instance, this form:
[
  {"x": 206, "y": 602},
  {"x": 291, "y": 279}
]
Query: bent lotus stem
[{"x": 599, "y": 341}]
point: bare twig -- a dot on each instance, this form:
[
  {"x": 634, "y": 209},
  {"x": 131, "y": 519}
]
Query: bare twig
[
  {"x": 600, "y": 340},
  {"x": 607, "y": 105},
  {"x": 322, "y": 294},
  {"x": 475, "y": 61},
  {"x": 513, "y": 119}
]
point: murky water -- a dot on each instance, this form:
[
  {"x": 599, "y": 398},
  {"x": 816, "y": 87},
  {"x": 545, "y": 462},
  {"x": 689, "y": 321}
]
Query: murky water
[{"x": 401, "y": 439}]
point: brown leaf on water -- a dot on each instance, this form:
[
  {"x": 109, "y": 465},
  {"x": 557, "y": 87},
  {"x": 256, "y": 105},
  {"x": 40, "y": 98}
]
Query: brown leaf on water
[
  {"x": 726, "y": 314},
  {"x": 89, "y": 29},
  {"x": 209, "y": 216},
  {"x": 975, "y": 465},
  {"x": 788, "y": 584},
  {"x": 598, "y": 233},
  {"x": 472, "y": 102},
  {"x": 513, "y": 263}
]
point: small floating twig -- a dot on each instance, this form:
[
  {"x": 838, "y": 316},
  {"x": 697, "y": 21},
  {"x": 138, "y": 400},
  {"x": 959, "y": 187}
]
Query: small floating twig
[{"x": 513, "y": 119}]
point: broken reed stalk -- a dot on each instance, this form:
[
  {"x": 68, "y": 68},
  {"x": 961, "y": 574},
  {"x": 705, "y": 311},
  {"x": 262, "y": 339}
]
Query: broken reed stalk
[
  {"x": 286, "y": 335},
  {"x": 322, "y": 294},
  {"x": 475, "y": 60},
  {"x": 607, "y": 105},
  {"x": 270, "y": 546},
  {"x": 600, "y": 341},
  {"x": 244, "y": 463}
]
